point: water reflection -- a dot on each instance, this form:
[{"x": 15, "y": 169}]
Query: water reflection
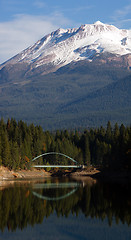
[
  {"x": 73, "y": 185},
  {"x": 30, "y": 203}
]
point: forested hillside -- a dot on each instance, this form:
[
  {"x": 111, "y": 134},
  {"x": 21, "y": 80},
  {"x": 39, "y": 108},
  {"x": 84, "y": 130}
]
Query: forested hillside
[
  {"x": 106, "y": 147},
  {"x": 79, "y": 94}
]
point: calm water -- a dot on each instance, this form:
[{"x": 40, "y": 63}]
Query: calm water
[{"x": 65, "y": 209}]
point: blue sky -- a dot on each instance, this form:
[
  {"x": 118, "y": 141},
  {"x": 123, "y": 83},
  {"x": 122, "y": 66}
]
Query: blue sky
[{"x": 23, "y": 22}]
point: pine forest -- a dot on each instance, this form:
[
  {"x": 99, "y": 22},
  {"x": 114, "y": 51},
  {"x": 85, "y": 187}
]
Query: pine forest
[{"x": 106, "y": 147}]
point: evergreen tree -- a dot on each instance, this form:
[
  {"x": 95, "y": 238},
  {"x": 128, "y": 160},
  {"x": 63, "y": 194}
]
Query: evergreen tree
[
  {"x": 86, "y": 151},
  {"x": 0, "y": 152},
  {"x": 15, "y": 156},
  {"x": 5, "y": 150},
  {"x": 109, "y": 132},
  {"x": 116, "y": 132}
]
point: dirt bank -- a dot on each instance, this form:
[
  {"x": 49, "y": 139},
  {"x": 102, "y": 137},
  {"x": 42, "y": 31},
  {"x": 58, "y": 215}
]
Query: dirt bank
[
  {"x": 87, "y": 172},
  {"x": 90, "y": 172},
  {"x": 120, "y": 175},
  {"x": 6, "y": 174}
]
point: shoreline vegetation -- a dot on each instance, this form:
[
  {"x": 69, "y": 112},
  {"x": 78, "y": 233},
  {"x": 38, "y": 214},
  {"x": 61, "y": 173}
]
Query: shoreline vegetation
[{"x": 106, "y": 151}]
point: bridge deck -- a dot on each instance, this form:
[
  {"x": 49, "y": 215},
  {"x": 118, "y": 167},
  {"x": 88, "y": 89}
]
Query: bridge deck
[{"x": 56, "y": 166}]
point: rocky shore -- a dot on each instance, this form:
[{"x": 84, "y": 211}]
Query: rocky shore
[
  {"x": 6, "y": 174},
  {"x": 90, "y": 172}
]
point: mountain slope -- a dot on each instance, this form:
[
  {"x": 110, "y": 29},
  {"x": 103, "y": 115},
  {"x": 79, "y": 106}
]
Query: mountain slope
[
  {"x": 75, "y": 95},
  {"x": 70, "y": 78},
  {"x": 103, "y": 99},
  {"x": 63, "y": 46}
]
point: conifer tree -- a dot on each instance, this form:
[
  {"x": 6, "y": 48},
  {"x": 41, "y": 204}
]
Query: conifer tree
[
  {"x": 86, "y": 151},
  {"x": 5, "y": 150},
  {"x": 108, "y": 132},
  {"x": 15, "y": 157},
  {"x": 0, "y": 152}
]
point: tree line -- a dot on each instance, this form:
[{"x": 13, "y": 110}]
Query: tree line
[{"x": 108, "y": 147}]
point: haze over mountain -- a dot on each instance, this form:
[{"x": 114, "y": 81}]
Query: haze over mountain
[{"x": 67, "y": 77}]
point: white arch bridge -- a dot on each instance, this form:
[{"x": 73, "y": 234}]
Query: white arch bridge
[{"x": 56, "y": 166}]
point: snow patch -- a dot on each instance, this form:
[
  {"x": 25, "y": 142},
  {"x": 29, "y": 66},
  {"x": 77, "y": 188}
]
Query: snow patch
[{"x": 66, "y": 45}]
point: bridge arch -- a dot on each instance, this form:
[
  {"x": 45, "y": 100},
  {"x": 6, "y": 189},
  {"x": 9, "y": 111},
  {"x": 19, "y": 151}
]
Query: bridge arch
[
  {"x": 56, "y": 153},
  {"x": 54, "y": 198},
  {"x": 73, "y": 185}
]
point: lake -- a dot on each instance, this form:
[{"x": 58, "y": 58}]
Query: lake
[{"x": 65, "y": 209}]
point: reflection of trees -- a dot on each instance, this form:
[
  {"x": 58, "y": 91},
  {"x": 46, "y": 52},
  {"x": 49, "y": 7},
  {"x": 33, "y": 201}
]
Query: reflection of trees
[
  {"x": 109, "y": 201},
  {"x": 19, "y": 207}
]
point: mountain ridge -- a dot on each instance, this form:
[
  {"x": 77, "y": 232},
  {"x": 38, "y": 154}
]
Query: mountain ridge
[
  {"x": 84, "y": 92},
  {"x": 63, "y": 46}
]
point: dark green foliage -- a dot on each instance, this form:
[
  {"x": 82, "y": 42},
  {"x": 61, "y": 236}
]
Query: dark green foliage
[{"x": 20, "y": 143}]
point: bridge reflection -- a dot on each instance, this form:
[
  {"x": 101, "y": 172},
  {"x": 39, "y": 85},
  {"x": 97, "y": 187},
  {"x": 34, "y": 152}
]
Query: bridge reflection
[{"x": 55, "y": 186}]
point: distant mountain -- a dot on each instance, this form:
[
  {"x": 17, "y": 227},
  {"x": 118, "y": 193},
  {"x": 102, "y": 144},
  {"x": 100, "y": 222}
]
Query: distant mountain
[
  {"x": 70, "y": 78},
  {"x": 88, "y": 42}
]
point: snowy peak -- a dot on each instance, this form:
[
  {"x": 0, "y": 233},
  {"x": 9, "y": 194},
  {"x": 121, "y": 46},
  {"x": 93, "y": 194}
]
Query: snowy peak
[
  {"x": 84, "y": 43},
  {"x": 98, "y": 23}
]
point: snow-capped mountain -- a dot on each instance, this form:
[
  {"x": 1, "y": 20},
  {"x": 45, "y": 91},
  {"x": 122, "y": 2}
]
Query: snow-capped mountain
[
  {"x": 70, "y": 78},
  {"x": 84, "y": 43}
]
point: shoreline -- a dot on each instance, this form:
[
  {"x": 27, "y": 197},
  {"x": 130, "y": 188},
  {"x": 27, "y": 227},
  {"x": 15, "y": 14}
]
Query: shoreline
[
  {"x": 108, "y": 175},
  {"x": 6, "y": 174},
  {"x": 123, "y": 176}
]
